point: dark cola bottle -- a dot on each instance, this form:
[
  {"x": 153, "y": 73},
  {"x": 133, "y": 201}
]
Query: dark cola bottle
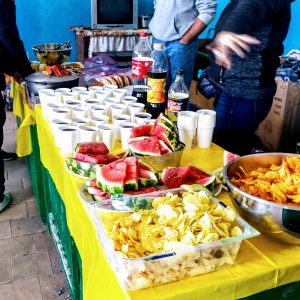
[{"x": 157, "y": 77}]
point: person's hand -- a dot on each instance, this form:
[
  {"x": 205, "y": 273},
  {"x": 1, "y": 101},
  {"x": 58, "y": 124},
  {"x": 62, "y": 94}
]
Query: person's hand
[{"x": 225, "y": 43}]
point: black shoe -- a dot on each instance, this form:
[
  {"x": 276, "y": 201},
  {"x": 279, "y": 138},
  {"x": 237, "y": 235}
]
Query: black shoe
[{"x": 7, "y": 156}]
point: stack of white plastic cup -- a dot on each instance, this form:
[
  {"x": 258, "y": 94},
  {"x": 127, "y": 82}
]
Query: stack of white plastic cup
[
  {"x": 187, "y": 124},
  {"x": 205, "y": 127}
]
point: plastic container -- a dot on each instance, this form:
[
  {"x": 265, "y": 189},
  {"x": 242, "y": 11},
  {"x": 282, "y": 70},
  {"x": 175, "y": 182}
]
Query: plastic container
[{"x": 170, "y": 266}]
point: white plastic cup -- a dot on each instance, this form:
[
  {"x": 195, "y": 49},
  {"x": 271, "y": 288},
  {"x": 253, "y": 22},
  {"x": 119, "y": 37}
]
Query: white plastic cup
[
  {"x": 76, "y": 89},
  {"x": 87, "y": 133},
  {"x": 117, "y": 109},
  {"x": 119, "y": 93},
  {"x": 83, "y": 95},
  {"x": 80, "y": 112},
  {"x": 103, "y": 94},
  {"x": 206, "y": 118},
  {"x": 108, "y": 102},
  {"x": 99, "y": 109},
  {"x": 125, "y": 132},
  {"x": 80, "y": 121},
  {"x": 62, "y": 90},
  {"x": 110, "y": 87},
  {"x": 141, "y": 117},
  {"x": 98, "y": 120},
  {"x": 127, "y": 100},
  {"x": 204, "y": 137},
  {"x": 186, "y": 136},
  {"x": 106, "y": 133},
  {"x": 73, "y": 103},
  {"x": 61, "y": 113},
  {"x": 135, "y": 108},
  {"x": 56, "y": 123},
  {"x": 118, "y": 119},
  {"x": 67, "y": 96},
  {"x": 50, "y": 107},
  {"x": 187, "y": 120},
  {"x": 90, "y": 102},
  {"x": 43, "y": 92},
  {"x": 67, "y": 138}
]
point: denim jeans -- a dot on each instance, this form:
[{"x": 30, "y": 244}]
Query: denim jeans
[
  {"x": 180, "y": 56},
  {"x": 236, "y": 121}
]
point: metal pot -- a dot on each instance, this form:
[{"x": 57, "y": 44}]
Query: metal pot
[{"x": 39, "y": 80}]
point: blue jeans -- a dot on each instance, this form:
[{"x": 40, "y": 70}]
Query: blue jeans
[
  {"x": 180, "y": 56},
  {"x": 236, "y": 121}
]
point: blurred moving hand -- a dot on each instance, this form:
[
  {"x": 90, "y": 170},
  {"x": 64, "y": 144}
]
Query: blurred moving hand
[{"x": 225, "y": 43}]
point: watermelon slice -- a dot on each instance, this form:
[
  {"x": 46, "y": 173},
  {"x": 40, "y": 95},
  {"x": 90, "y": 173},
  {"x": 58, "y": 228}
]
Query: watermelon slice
[
  {"x": 111, "y": 177},
  {"x": 92, "y": 147},
  {"x": 228, "y": 157},
  {"x": 144, "y": 145},
  {"x": 80, "y": 168},
  {"x": 95, "y": 158},
  {"x": 92, "y": 182},
  {"x": 131, "y": 180},
  {"x": 147, "y": 178},
  {"x": 164, "y": 149},
  {"x": 143, "y": 130},
  {"x": 174, "y": 177},
  {"x": 145, "y": 166}
]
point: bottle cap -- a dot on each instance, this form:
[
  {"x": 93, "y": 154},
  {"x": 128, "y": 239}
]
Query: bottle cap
[
  {"x": 143, "y": 34},
  {"x": 157, "y": 46},
  {"x": 179, "y": 72}
]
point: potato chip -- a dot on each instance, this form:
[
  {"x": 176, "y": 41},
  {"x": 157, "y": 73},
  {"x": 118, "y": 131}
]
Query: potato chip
[{"x": 278, "y": 183}]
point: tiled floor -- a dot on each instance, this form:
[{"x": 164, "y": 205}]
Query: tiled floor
[{"x": 29, "y": 265}]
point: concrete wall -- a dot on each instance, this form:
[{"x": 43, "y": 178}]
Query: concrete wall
[{"x": 44, "y": 21}]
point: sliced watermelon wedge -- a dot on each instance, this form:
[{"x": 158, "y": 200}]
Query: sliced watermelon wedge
[
  {"x": 143, "y": 130},
  {"x": 111, "y": 177},
  {"x": 174, "y": 177},
  {"x": 131, "y": 180},
  {"x": 92, "y": 147},
  {"x": 228, "y": 157},
  {"x": 144, "y": 145},
  {"x": 147, "y": 178},
  {"x": 95, "y": 158},
  {"x": 164, "y": 149}
]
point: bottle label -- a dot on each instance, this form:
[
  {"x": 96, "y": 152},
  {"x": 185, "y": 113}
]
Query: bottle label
[
  {"x": 156, "y": 92},
  {"x": 175, "y": 104},
  {"x": 140, "y": 67}
]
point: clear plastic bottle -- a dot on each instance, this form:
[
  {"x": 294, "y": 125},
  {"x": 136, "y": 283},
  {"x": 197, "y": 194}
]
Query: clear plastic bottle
[
  {"x": 157, "y": 77},
  {"x": 178, "y": 96},
  {"x": 140, "y": 65}
]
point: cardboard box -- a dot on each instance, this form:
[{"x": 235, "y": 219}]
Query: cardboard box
[{"x": 280, "y": 131}]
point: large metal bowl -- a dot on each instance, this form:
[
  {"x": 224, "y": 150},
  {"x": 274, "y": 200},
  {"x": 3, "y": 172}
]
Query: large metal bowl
[
  {"x": 52, "y": 54},
  {"x": 280, "y": 221}
]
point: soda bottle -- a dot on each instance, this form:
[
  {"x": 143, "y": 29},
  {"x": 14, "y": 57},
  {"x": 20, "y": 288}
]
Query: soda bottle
[
  {"x": 140, "y": 64},
  {"x": 157, "y": 77},
  {"x": 178, "y": 96}
]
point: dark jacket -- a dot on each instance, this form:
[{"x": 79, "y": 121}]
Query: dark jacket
[
  {"x": 12, "y": 53},
  {"x": 268, "y": 21}
]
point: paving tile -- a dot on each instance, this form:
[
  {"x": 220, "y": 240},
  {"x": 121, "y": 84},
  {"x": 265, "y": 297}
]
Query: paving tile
[
  {"x": 13, "y": 184},
  {"x": 5, "y": 271},
  {"x": 55, "y": 261},
  {"x": 18, "y": 170},
  {"x": 5, "y": 230},
  {"x": 26, "y": 181},
  {"x": 28, "y": 289},
  {"x": 22, "y": 195},
  {"x": 15, "y": 247},
  {"x": 32, "y": 209},
  {"x": 43, "y": 241},
  {"x": 54, "y": 287},
  {"x": 27, "y": 226},
  {"x": 14, "y": 211},
  {"x": 30, "y": 266}
]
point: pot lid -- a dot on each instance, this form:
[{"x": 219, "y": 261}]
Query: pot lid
[{"x": 40, "y": 77}]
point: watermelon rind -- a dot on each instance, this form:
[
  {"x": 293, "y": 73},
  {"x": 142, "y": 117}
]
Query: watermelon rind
[
  {"x": 145, "y": 182},
  {"x": 144, "y": 146},
  {"x": 80, "y": 168}
]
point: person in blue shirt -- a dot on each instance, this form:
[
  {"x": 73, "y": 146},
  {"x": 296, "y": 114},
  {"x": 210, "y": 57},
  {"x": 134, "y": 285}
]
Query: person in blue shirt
[
  {"x": 13, "y": 62},
  {"x": 248, "y": 41},
  {"x": 176, "y": 24}
]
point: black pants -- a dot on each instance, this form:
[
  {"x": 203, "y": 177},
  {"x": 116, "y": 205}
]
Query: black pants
[{"x": 2, "y": 121}]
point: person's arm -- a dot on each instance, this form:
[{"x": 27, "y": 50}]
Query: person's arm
[{"x": 206, "y": 13}]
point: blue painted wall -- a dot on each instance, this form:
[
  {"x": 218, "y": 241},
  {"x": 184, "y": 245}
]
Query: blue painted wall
[{"x": 44, "y": 21}]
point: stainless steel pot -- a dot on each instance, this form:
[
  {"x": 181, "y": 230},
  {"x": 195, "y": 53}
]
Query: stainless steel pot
[{"x": 39, "y": 80}]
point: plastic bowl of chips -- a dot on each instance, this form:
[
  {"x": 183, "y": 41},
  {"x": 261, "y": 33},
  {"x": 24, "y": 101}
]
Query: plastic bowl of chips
[
  {"x": 185, "y": 234},
  {"x": 278, "y": 178}
]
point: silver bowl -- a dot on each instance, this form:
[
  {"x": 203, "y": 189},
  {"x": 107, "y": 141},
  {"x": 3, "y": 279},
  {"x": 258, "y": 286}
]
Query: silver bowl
[
  {"x": 52, "y": 54},
  {"x": 280, "y": 221}
]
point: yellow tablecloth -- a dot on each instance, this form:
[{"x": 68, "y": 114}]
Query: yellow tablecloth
[
  {"x": 261, "y": 263},
  {"x": 26, "y": 115}
]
